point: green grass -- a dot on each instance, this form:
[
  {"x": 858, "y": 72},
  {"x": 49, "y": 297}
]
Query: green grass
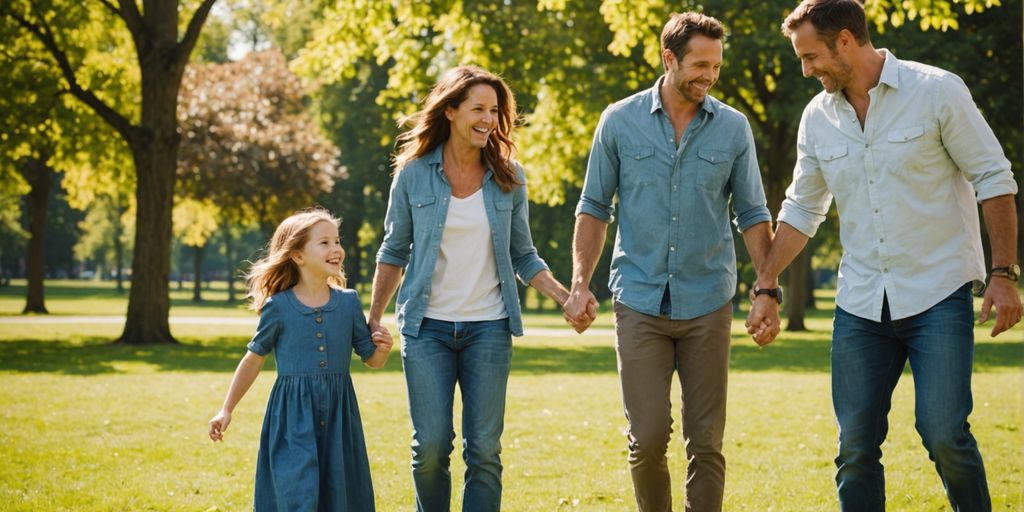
[
  {"x": 100, "y": 298},
  {"x": 85, "y": 425}
]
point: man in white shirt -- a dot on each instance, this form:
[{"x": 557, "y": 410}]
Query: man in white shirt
[{"x": 905, "y": 153}]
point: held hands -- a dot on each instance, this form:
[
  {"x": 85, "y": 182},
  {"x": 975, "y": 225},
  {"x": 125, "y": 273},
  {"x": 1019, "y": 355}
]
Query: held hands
[
  {"x": 381, "y": 337},
  {"x": 763, "y": 322},
  {"x": 580, "y": 309},
  {"x": 219, "y": 424},
  {"x": 1002, "y": 294}
]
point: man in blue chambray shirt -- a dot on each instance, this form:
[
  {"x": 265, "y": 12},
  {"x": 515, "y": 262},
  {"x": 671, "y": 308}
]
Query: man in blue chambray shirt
[
  {"x": 907, "y": 156},
  {"x": 675, "y": 156}
]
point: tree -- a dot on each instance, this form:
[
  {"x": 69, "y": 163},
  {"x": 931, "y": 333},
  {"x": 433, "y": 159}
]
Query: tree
[
  {"x": 251, "y": 150},
  {"x": 44, "y": 134},
  {"x": 12, "y": 236},
  {"x": 106, "y": 234},
  {"x": 152, "y": 137},
  {"x": 195, "y": 222}
]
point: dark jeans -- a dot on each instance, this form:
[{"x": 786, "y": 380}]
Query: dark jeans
[{"x": 867, "y": 360}]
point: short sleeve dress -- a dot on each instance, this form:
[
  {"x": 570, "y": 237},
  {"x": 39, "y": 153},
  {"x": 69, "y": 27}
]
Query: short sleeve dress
[{"x": 312, "y": 454}]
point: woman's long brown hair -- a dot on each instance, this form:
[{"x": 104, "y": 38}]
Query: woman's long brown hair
[{"x": 430, "y": 127}]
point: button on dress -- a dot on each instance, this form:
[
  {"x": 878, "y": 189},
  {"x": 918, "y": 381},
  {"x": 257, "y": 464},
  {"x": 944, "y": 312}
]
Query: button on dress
[{"x": 312, "y": 454}]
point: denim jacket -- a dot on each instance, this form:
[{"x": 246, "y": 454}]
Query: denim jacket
[{"x": 417, "y": 209}]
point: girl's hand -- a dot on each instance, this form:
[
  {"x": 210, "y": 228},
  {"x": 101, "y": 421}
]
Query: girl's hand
[
  {"x": 219, "y": 424},
  {"x": 382, "y": 339}
]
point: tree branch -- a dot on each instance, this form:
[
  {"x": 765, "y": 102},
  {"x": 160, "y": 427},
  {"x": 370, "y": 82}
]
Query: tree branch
[
  {"x": 108, "y": 114},
  {"x": 129, "y": 12},
  {"x": 111, "y": 7},
  {"x": 195, "y": 25}
]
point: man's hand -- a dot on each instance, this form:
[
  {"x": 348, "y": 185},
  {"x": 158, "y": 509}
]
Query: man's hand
[
  {"x": 580, "y": 309},
  {"x": 1002, "y": 294},
  {"x": 763, "y": 322}
]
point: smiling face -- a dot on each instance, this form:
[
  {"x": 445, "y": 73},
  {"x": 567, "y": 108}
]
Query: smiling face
[
  {"x": 322, "y": 254},
  {"x": 475, "y": 118},
  {"x": 827, "y": 64},
  {"x": 697, "y": 72}
]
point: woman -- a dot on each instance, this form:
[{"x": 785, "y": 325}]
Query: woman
[{"x": 457, "y": 222}]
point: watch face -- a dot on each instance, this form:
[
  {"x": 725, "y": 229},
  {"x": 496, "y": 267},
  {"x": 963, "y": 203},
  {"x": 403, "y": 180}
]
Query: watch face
[{"x": 1015, "y": 270}]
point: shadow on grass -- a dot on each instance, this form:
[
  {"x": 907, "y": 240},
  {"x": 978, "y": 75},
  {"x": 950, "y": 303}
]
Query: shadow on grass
[{"x": 98, "y": 356}]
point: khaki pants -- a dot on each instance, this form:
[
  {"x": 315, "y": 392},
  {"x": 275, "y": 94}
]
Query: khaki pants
[{"x": 650, "y": 349}]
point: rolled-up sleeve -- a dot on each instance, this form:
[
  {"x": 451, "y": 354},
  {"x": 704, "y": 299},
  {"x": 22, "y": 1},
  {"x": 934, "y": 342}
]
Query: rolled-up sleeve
[
  {"x": 970, "y": 142},
  {"x": 749, "y": 204},
  {"x": 267, "y": 330},
  {"x": 397, "y": 245},
  {"x": 808, "y": 197},
  {"x": 602, "y": 179},
  {"x": 525, "y": 260}
]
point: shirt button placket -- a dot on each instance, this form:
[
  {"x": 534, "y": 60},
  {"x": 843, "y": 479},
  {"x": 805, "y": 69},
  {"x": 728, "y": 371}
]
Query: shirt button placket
[{"x": 321, "y": 347}]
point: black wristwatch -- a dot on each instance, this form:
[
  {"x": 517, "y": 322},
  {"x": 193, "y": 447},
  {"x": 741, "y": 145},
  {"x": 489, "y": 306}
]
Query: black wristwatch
[
  {"x": 1011, "y": 272},
  {"x": 775, "y": 293}
]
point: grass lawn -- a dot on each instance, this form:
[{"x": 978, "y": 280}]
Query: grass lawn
[{"x": 90, "y": 426}]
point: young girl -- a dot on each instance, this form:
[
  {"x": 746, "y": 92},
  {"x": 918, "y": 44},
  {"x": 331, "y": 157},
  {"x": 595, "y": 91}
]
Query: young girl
[{"x": 312, "y": 454}]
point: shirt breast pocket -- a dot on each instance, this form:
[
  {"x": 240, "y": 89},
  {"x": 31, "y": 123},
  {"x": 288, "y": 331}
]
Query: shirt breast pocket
[
  {"x": 905, "y": 145},
  {"x": 832, "y": 158},
  {"x": 713, "y": 168},
  {"x": 503, "y": 209},
  {"x": 636, "y": 166},
  {"x": 422, "y": 207}
]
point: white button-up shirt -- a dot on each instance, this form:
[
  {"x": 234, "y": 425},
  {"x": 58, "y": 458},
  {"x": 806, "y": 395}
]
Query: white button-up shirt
[{"x": 905, "y": 186}]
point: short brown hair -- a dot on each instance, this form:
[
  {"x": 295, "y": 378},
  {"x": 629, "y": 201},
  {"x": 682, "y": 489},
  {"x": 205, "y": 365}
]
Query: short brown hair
[
  {"x": 829, "y": 17},
  {"x": 681, "y": 27}
]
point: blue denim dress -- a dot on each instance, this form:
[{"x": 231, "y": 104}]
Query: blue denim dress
[{"x": 312, "y": 454}]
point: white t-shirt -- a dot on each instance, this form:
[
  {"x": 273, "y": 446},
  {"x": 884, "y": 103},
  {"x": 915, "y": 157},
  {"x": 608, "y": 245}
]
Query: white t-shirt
[{"x": 465, "y": 285}]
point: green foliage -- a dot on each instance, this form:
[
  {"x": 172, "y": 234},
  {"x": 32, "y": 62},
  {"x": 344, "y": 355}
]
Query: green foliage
[{"x": 929, "y": 14}]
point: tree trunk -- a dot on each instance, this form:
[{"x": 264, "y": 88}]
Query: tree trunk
[
  {"x": 118, "y": 244},
  {"x": 230, "y": 262},
  {"x": 155, "y": 155},
  {"x": 796, "y": 291},
  {"x": 777, "y": 176},
  {"x": 350, "y": 238},
  {"x": 197, "y": 266},
  {"x": 40, "y": 178}
]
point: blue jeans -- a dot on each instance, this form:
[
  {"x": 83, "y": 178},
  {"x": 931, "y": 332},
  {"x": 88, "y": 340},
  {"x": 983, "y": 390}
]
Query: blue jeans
[
  {"x": 867, "y": 360},
  {"x": 477, "y": 356}
]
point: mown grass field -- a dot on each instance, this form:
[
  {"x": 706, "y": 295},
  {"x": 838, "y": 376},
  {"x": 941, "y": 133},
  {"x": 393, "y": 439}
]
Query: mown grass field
[{"x": 85, "y": 425}]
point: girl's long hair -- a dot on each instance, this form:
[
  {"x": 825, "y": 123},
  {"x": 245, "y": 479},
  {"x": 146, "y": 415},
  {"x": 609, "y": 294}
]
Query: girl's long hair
[
  {"x": 276, "y": 271},
  {"x": 430, "y": 127}
]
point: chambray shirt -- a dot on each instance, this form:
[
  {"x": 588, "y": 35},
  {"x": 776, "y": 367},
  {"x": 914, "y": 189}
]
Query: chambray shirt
[
  {"x": 673, "y": 201},
  {"x": 905, "y": 186},
  {"x": 414, "y": 224}
]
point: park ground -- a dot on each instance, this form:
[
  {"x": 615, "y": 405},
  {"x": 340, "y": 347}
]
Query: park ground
[{"x": 85, "y": 425}]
